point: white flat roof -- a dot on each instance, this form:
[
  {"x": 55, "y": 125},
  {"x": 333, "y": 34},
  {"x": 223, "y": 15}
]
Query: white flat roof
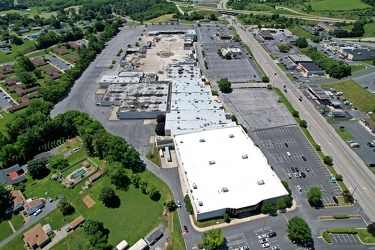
[{"x": 236, "y": 164}]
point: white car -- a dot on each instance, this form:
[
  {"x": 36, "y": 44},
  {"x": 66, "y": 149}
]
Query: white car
[
  {"x": 261, "y": 241},
  {"x": 37, "y": 212},
  {"x": 299, "y": 188},
  {"x": 262, "y": 236},
  {"x": 265, "y": 245}
]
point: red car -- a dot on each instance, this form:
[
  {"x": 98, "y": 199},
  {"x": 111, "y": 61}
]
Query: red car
[
  {"x": 186, "y": 229},
  {"x": 297, "y": 169}
]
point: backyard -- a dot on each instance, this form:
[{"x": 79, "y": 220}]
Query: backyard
[{"x": 137, "y": 214}]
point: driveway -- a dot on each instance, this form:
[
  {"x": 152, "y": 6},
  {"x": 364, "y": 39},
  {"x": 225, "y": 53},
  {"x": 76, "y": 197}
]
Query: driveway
[{"x": 49, "y": 207}]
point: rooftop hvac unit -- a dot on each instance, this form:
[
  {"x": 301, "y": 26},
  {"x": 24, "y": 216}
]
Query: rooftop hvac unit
[
  {"x": 261, "y": 182},
  {"x": 244, "y": 156},
  {"x": 224, "y": 189},
  {"x": 194, "y": 185},
  {"x": 231, "y": 136},
  {"x": 212, "y": 162},
  {"x": 200, "y": 203},
  {"x": 202, "y": 140}
]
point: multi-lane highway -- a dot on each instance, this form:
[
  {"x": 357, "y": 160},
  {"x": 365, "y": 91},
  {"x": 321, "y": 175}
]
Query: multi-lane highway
[{"x": 358, "y": 178}]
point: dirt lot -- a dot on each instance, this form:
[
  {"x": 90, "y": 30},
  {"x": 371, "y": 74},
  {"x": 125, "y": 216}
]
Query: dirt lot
[
  {"x": 88, "y": 201},
  {"x": 168, "y": 48}
]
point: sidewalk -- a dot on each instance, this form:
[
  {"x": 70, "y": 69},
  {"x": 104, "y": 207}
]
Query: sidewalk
[{"x": 236, "y": 221}]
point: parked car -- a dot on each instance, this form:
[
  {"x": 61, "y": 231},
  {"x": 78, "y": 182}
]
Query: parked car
[
  {"x": 186, "y": 229},
  {"x": 286, "y": 144},
  {"x": 265, "y": 245},
  {"x": 297, "y": 169},
  {"x": 303, "y": 158},
  {"x": 289, "y": 176},
  {"x": 178, "y": 204},
  {"x": 307, "y": 169},
  {"x": 276, "y": 248},
  {"x": 299, "y": 188},
  {"x": 272, "y": 234},
  {"x": 293, "y": 170},
  {"x": 262, "y": 241},
  {"x": 296, "y": 175},
  {"x": 303, "y": 174},
  {"x": 37, "y": 212},
  {"x": 262, "y": 236}
]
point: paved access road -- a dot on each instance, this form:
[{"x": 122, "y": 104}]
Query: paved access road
[{"x": 358, "y": 178}]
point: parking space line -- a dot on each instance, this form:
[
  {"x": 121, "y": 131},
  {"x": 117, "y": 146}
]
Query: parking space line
[
  {"x": 355, "y": 238},
  {"x": 234, "y": 236}
]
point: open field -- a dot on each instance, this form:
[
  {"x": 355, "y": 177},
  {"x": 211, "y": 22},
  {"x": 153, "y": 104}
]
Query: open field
[
  {"x": 17, "y": 221},
  {"x": 344, "y": 134},
  {"x": 48, "y": 14},
  {"x": 356, "y": 68},
  {"x": 353, "y": 92},
  {"x": 160, "y": 19},
  {"x": 5, "y": 230},
  {"x": 15, "y": 48},
  {"x": 338, "y": 5},
  {"x": 298, "y": 31},
  {"x": 4, "y": 119}
]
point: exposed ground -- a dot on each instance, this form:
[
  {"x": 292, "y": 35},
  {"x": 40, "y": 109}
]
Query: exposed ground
[
  {"x": 160, "y": 55},
  {"x": 88, "y": 201}
]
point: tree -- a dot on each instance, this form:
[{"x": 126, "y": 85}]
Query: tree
[
  {"x": 93, "y": 226},
  {"x": 298, "y": 230},
  {"x": 37, "y": 73},
  {"x": 135, "y": 179},
  {"x": 295, "y": 113},
  {"x": 118, "y": 176},
  {"x": 282, "y": 203},
  {"x": 314, "y": 195},
  {"x": 283, "y": 48},
  {"x": 265, "y": 79},
  {"x": 22, "y": 62},
  {"x": 152, "y": 192},
  {"x": 16, "y": 40},
  {"x": 58, "y": 162},
  {"x": 107, "y": 196},
  {"x": 224, "y": 85},
  {"x": 171, "y": 205},
  {"x": 339, "y": 177},
  {"x": 28, "y": 79},
  {"x": 37, "y": 169},
  {"x": 328, "y": 160},
  {"x": 188, "y": 206},
  {"x": 213, "y": 238},
  {"x": 348, "y": 197},
  {"x": 4, "y": 198},
  {"x": 301, "y": 42},
  {"x": 143, "y": 186},
  {"x": 270, "y": 207},
  {"x": 371, "y": 228},
  {"x": 212, "y": 17},
  {"x": 303, "y": 123},
  {"x": 227, "y": 218},
  {"x": 65, "y": 207}
]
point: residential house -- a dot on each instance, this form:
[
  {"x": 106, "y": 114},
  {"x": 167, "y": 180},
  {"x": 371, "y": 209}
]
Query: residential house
[{"x": 36, "y": 237}]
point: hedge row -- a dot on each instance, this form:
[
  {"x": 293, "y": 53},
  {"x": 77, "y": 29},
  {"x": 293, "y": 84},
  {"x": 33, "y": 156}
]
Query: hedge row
[
  {"x": 342, "y": 231},
  {"x": 327, "y": 237}
]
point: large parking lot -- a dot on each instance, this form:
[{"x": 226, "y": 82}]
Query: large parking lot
[
  {"x": 58, "y": 63},
  {"x": 258, "y": 109},
  {"x": 291, "y": 154}
]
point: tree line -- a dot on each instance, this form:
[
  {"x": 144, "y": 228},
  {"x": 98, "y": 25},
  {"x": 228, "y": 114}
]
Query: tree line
[
  {"x": 275, "y": 20},
  {"x": 331, "y": 67}
]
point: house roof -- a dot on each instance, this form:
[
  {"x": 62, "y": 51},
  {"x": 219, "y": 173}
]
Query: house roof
[
  {"x": 17, "y": 197},
  {"x": 370, "y": 123},
  {"x": 61, "y": 51},
  {"x": 311, "y": 66},
  {"x": 38, "y": 62},
  {"x": 76, "y": 222},
  {"x": 96, "y": 176},
  {"x": 35, "y": 236},
  {"x": 7, "y": 176},
  {"x": 72, "y": 58}
]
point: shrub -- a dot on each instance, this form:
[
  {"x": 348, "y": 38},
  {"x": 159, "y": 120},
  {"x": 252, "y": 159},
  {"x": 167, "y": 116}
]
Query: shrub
[
  {"x": 200, "y": 245},
  {"x": 265, "y": 79},
  {"x": 328, "y": 160},
  {"x": 342, "y": 231},
  {"x": 339, "y": 177},
  {"x": 326, "y": 237},
  {"x": 226, "y": 218},
  {"x": 110, "y": 66},
  {"x": 341, "y": 216},
  {"x": 189, "y": 207},
  {"x": 295, "y": 113}
]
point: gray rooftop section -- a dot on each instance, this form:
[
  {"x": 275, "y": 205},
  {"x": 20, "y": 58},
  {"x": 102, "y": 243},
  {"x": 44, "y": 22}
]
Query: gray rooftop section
[
  {"x": 5, "y": 178},
  {"x": 192, "y": 106},
  {"x": 318, "y": 91},
  {"x": 310, "y": 66},
  {"x": 300, "y": 58},
  {"x": 141, "y": 97}
]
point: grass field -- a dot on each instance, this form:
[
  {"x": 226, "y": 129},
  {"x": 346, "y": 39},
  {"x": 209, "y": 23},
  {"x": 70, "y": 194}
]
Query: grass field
[
  {"x": 49, "y": 14},
  {"x": 15, "y": 48},
  {"x": 353, "y": 92},
  {"x": 161, "y": 19},
  {"x": 365, "y": 236},
  {"x": 298, "y": 31},
  {"x": 5, "y": 230},
  {"x": 338, "y": 5},
  {"x": 344, "y": 134},
  {"x": 17, "y": 221},
  {"x": 6, "y": 117},
  {"x": 356, "y": 68}
]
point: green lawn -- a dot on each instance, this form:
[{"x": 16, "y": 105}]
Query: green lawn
[
  {"x": 162, "y": 19},
  {"x": 354, "y": 93},
  {"x": 70, "y": 144},
  {"x": 177, "y": 241},
  {"x": 6, "y": 117},
  {"x": 344, "y": 134},
  {"x": 338, "y": 5},
  {"x": 72, "y": 240},
  {"x": 17, "y": 221},
  {"x": 36, "y": 54},
  {"x": 15, "y": 48},
  {"x": 365, "y": 236},
  {"x": 5, "y": 230},
  {"x": 356, "y": 68},
  {"x": 57, "y": 220},
  {"x": 298, "y": 31},
  {"x": 154, "y": 156}
]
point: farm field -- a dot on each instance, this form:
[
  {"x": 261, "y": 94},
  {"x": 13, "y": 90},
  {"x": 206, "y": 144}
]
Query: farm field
[{"x": 338, "y": 5}]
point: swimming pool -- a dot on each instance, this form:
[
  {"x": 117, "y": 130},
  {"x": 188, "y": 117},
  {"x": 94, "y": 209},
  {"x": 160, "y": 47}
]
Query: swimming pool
[{"x": 77, "y": 174}]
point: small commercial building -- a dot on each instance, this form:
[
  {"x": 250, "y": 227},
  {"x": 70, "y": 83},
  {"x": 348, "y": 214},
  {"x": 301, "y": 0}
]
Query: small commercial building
[
  {"x": 369, "y": 123},
  {"x": 266, "y": 35},
  {"x": 190, "y": 34},
  {"x": 36, "y": 237},
  {"x": 223, "y": 35},
  {"x": 333, "y": 112},
  {"x": 300, "y": 58},
  {"x": 225, "y": 152},
  {"x": 358, "y": 54},
  {"x": 330, "y": 28},
  {"x": 319, "y": 93},
  {"x": 231, "y": 51},
  {"x": 310, "y": 69}
]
